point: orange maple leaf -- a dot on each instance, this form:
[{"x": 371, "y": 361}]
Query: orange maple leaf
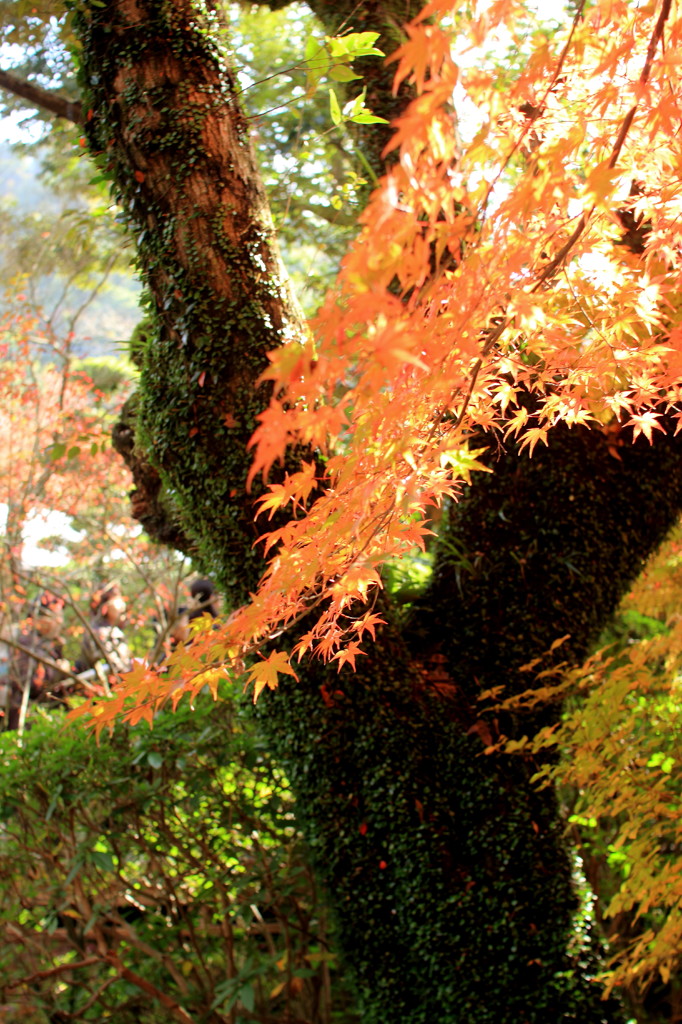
[{"x": 265, "y": 673}]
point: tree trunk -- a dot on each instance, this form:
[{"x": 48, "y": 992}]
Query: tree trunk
[
  {"x": 166, "y": 127},
  {"x": 447, "y": 870}
]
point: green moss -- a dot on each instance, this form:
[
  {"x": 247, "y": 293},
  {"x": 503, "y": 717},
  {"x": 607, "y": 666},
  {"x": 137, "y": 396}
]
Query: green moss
[
  {"x": 552, "y": 544},
  {"x": 449, "y": 874}
]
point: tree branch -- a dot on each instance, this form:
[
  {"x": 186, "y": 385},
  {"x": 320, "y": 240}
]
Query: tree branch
[
  {"x": 73, "y": 965},
  {"x": 70, "y": 110},
  {"x": 178, "y": 1012}
]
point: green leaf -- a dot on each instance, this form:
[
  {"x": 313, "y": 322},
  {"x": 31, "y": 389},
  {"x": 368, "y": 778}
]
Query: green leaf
[
  {"x": 75, "y": 869},
  {"x": 356, "y": 106},
  {"x": 247, "y": 997},
  {"x": 57, "y": 451},
  {"x": 102, "y": 859},
  {"x": 51, "y": 922},
  {"x": 340, "y": 73},
  {"x": 313, "y": 47},
  {"x": 154, "y": 759},
  {"x": 225, "y": 990},
  {"x": 53, "y": 802},
  {"x": 367, "y": 118},
  {"x": 356, "y": 111},
  {"x": 355, "y": 44},
  {"x": 334, "y": 108},
  {"x": 317, "y": 63}
]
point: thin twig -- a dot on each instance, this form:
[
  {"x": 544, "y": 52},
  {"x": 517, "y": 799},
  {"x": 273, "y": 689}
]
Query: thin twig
[{"x": 60, "y": 969}]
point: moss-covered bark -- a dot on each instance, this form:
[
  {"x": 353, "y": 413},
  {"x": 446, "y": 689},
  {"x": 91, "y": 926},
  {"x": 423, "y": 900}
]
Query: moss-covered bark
[
  {"x": 164, "y": 125},
  {"x": 449, "y": 875},
  {"x": 545, "y": 547},
  {"x": 447, "y": 870}
]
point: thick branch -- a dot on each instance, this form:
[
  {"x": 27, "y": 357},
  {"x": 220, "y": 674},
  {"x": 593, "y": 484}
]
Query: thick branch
[
  {"x": 149, "y": 503},
  {"x": 70, "y": 110},
  {"x": 72, "y": 965},
  {"x": 546, "y": 546}
]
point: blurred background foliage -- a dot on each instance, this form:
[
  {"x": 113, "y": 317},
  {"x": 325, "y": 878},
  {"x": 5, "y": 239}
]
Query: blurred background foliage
[{"x": 65, "y": 244}]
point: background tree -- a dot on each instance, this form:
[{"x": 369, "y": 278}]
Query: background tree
[
  {"x": 449, "y": 871},
  {"x": 65, "y": 523}
]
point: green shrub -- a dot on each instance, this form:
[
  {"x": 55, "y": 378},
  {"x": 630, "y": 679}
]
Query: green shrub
[{"x": 156, "y": 876}]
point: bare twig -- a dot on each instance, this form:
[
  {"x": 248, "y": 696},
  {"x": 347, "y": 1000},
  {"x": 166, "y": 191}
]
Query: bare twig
[
  {"x": 177, "y": 1011},
  {"x": 60, "y": 969}
]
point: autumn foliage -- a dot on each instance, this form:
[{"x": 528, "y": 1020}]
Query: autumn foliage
[
  {"x": 620, "y": 768},
  {"x": 485, "y": 272},
  {"x": 507, "y": 277},
  {"x": 55, "y": 454},
  {"x": 58, "y": 471}
]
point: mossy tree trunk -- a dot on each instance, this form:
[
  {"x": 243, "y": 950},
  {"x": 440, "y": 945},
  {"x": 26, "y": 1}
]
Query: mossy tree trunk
[
  {"x": 447, "y": 870},
  {"x": 165, "y": 125},
  {"x": 451, "y": 874}
]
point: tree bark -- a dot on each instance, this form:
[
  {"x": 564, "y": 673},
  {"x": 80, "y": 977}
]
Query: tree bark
[
  {"x": 447, "y": 870},
  {"x": 167, "y": 127}
]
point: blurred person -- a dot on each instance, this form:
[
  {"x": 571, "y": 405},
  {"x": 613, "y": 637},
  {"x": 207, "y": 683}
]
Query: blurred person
[
  {"x": 28, "y": 678},
  {"x": 204, "y": 599}
]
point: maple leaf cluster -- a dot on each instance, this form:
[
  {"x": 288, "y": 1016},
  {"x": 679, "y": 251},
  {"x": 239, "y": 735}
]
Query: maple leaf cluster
[
  {"x": 538, "y": 257},
  {"x": 617, "y": 756}
]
